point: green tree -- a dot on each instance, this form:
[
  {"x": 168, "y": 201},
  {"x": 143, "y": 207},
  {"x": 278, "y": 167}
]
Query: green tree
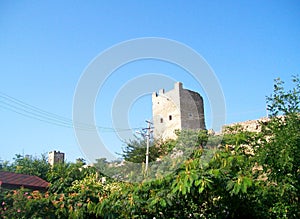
[
  {"x": 279, "y": 151},
  {"x": 62, "y": 175},
  {"x": 28, "y": 165},
  {"x": 135, "y": 150}
]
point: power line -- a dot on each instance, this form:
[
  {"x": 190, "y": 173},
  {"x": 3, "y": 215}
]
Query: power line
[
  {"x": 22, "y": 108},
  {"x": 30, "y": 116},
  {"x": 17, "y": 106}
]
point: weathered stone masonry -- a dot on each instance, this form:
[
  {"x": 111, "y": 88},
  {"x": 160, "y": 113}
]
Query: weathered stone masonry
[{"x": 176, "y": 109}]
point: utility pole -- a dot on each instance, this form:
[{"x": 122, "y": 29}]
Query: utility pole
[
  {"x": 147, "y": 135},
  {"x": 149, "y": 130}
]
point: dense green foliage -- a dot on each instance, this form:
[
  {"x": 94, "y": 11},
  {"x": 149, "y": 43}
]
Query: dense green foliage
[
  {"x": 135, "y": 150},
  {"x": 28, "y": 165},
  {"x": 248, "y": 175}
]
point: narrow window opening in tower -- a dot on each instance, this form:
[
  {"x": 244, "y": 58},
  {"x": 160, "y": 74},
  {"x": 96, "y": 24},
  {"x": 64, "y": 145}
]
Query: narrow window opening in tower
[
  {"x": 170, "y": 117},
  {"x": 161, "y": 120}
]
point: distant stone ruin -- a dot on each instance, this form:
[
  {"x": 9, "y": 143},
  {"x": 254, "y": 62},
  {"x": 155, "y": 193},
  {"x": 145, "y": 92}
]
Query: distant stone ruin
[{"x": 176, "y": 109}]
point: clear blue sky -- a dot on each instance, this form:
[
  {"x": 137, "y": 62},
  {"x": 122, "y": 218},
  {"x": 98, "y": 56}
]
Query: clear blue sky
[{"x": 46, "y": 45}]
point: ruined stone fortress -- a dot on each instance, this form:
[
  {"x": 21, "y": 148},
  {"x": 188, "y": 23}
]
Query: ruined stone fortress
[
  {"x": 176, "y": 109},
  {"x": 180, "y": 109}
]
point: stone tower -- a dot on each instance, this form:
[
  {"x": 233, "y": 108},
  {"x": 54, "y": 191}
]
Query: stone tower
[
  {"x": 176, "y": 109},
  {"x": 55, "y": 157}
]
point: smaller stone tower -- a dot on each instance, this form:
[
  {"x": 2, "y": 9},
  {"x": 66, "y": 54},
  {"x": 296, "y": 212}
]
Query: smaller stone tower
[
  {"x": 176, "y": 109},
  {"x": 55, "y": 157}
]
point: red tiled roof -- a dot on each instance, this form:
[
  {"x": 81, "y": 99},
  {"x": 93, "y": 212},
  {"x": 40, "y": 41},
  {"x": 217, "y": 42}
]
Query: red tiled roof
[{"x": 18, "y": 180}]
